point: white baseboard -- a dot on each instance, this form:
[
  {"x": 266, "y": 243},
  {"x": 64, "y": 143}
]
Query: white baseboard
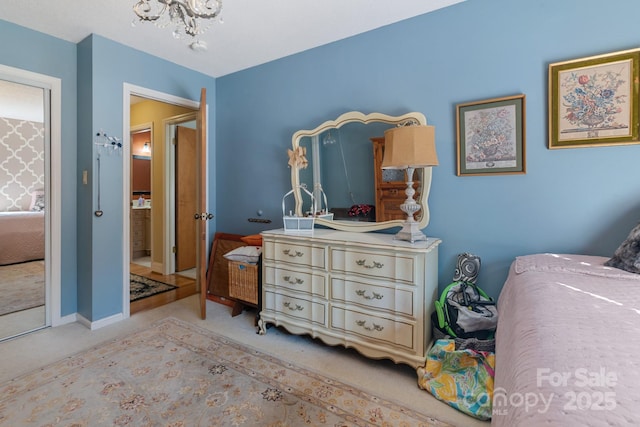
[
  {"x": 157, "y": 267},
  {"x": 100, "y": 323},
  {"x": 70, "y": 318}
]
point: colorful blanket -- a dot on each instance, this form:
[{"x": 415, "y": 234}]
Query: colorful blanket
[{"x": 461, "y": 378}]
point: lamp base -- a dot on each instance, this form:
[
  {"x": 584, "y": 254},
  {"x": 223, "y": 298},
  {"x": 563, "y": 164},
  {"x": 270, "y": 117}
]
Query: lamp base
[{"x": 410, "y": 232}]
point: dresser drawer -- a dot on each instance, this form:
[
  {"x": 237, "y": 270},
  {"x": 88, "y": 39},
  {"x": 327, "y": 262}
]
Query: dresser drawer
[
  {"x": 293, "y": 253},
  {"x": 300, "y": 308},
  {"x": 373, "y": 327},
  {"x": 393, "y": 300},
  {"x": 294, "y": 280},
  {"x": 373, "y": 264},
  {"x": 365, "y": 291}
]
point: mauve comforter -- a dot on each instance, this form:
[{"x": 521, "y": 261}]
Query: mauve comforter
[
  {"x": 21, "y": 237},
  {"x": 567, "y": 344}
]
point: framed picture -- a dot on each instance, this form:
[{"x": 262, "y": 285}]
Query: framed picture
[
  {"x": 594, "y": 101},
  {"x": 491, "y": 136}
]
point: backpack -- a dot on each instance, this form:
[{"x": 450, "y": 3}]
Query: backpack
[{"x": 463, "y": 309}]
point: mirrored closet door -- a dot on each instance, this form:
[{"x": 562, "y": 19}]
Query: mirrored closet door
[{"x": 24, "y": 142}]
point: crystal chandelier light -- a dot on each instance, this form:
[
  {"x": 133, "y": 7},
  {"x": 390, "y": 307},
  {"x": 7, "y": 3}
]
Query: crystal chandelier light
[{"x": 183, "y": 14}]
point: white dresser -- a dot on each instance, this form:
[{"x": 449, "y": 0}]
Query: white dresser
[{"x": 360, "y": 290}]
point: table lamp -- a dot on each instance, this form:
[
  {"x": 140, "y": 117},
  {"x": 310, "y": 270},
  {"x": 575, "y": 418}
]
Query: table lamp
[{"x": 407, "y": 148}]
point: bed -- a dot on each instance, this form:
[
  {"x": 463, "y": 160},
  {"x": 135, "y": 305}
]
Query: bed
[
  {"x": 22, "y": 236},
  {"x": 567, "y": 344}
]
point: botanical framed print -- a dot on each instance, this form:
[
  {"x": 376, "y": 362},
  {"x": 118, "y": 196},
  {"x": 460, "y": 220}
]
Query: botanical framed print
[
  {"x": 594, "y": 101},
  {"x": 491, "y": 136}
]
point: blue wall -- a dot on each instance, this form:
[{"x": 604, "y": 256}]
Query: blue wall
[
  {"x": 108, "y": 65},
  {"x": 573, "y": 200},
  {"x": 93, "y": 73}
]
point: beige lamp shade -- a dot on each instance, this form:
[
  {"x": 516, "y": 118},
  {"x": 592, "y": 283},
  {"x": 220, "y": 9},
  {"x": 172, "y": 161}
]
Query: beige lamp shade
[{"x": 409, "y": 146}]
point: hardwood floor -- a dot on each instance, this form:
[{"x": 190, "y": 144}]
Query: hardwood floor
[{"x": 186, "y": 286}]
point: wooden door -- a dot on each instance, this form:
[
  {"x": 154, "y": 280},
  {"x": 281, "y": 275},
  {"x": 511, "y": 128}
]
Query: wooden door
[
  {"x": 186, "y": 203},
  {"x": 201, "y": 166}
]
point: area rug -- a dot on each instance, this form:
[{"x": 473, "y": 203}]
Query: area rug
[
  {"x": 174, "y": 373},
  {"x": 143, "y": 287},
  {"x": 21, "y": 286}
]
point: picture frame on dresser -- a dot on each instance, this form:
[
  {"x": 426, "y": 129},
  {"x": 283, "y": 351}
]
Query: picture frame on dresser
[
  {"x": 491, "y": 136},
  {"x": 593, "y": 101}
]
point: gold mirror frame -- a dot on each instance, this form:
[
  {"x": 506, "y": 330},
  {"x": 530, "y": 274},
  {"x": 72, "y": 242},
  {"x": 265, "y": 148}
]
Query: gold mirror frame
[{"x": 358, "y": 117}]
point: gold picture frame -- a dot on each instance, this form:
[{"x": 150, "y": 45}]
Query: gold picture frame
[
  {"x": 593, "y": 101},
  {"x": 491, "y": 136}
]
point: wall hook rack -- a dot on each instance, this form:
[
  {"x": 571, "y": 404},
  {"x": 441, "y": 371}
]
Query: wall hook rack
[{"x": 108, "y": 143}]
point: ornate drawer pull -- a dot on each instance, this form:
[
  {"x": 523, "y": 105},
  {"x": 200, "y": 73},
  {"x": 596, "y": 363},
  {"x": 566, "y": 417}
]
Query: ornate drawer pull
[
  {"x": 374, "y": 264},
  {"x": 289, "y": 306},
  {"x": 292, "y": 254},
  {"x": 295, "y": 281},
  {"x": 374, "y": 295},
  {"x": 363, "y": 324}
]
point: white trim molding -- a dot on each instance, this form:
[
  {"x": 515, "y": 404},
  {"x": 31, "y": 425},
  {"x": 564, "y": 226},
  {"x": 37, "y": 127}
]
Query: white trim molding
[{"x": 129, "y": 90}]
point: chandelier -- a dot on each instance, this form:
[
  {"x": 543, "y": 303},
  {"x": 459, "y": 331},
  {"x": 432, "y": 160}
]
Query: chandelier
[{"x": 184, "y": 15}]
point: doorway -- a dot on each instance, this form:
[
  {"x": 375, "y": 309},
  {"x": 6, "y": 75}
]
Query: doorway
[
  {"x": 140, "y": 218},
  {"x": 154, "y": 120},
  {"x": 29, "y": 201},
  {"x": 181, "y": 180}
]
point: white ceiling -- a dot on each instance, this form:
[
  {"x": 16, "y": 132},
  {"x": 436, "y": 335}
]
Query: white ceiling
[{"x": 253, "y": 31}]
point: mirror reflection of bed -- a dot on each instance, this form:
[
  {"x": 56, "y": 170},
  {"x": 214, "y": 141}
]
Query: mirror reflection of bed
[
  {"x": 22, "y": 278},
  {"x": 22, "y": 209}
]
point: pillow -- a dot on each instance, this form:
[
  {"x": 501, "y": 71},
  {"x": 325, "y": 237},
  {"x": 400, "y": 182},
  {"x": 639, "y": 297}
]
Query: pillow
[
  {"x": 37, "y": 201},
  {"x": 627, "y": 256},
  {"x": 248, "y": 254},
  {"x": 252, "y": 240}
]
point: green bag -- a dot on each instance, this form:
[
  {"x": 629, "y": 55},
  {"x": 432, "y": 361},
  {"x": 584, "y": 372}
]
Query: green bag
[{"x": 466, "y": 311}]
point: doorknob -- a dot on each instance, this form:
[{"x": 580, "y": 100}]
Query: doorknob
[{"x": 204, "y": 216}]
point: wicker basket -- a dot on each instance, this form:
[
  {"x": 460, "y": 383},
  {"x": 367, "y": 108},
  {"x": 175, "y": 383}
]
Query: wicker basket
[
  {"x": 243, "y": 281},
  {"x": 294, "y": 223}
]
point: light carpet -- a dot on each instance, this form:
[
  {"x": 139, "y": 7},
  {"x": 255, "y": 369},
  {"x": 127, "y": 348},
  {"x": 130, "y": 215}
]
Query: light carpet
[
  {"x": 175, "y": 373},
  {"x": 21, "y": 286},
  {"x": 144, "y": 287}
]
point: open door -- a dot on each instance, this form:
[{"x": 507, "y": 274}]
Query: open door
[
  {"x": 186, "y": 204},
  {"x": 202, "y": 216}
]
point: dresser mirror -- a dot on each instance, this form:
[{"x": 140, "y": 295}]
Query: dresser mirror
[{"x": 339, "y": 159}]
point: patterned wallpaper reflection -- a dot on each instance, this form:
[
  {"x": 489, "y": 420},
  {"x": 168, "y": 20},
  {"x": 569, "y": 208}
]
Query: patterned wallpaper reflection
[{"x": 21, "y": 163}]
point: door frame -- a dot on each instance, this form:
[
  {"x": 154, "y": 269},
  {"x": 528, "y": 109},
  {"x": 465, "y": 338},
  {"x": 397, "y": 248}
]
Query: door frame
[
  {"x": 53, "y": 188},
  {"x": 128, "y": 91}
]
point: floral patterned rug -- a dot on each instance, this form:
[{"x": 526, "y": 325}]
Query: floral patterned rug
[{"x": 177, "y": 374}]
